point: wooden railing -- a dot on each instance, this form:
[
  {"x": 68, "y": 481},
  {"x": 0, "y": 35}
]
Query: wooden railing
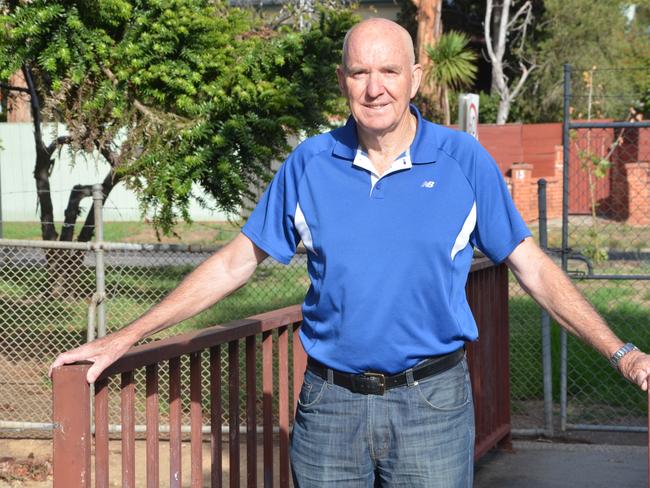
[{"x": 487, "y": 292}]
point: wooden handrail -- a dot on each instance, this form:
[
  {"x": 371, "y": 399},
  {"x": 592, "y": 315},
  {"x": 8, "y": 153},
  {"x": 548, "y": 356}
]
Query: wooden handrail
[{"x": 199, "y": 340}]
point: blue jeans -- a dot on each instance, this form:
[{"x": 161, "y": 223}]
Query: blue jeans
[{"x": 417, "y": 435}]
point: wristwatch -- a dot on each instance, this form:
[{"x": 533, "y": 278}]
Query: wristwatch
[{"x": 618, "y": 355}]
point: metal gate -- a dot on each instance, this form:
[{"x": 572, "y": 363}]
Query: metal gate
[{"x": 605, "y": 245}]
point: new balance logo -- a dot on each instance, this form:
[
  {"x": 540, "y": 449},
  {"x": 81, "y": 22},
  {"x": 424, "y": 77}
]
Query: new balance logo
[{"x": 428, "y": 184}]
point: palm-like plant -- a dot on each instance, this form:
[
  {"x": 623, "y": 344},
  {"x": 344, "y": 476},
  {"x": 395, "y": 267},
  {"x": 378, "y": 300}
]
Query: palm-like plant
[{"x": 453, "y": 66}]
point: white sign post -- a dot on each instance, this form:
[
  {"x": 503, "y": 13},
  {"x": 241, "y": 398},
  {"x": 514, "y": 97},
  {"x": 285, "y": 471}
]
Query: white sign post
[{"x": 468, "y": 113}]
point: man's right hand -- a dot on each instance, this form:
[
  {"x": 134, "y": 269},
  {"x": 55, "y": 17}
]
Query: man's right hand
[{"x": 102, "y": 352}]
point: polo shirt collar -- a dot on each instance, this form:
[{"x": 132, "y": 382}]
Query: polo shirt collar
[{"x": 423, "y": 149}]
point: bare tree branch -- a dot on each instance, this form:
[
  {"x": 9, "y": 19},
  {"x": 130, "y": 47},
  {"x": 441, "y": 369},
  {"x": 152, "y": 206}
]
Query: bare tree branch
[
  {"x": 59, "y": 141},
  {"x": 496, "y": 50}
]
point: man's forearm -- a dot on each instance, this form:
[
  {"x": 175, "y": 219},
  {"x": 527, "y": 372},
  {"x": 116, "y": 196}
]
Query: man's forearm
[
  {"x": 555, "y": 292},
  {"x": 214, "y": 279}
]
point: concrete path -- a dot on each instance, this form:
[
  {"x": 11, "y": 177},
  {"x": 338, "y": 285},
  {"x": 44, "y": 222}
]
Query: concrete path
[
  {"x": 531, "y": 465},
  {"x": 554, "y": 465}
]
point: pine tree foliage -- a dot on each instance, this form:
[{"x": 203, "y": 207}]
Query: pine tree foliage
[{"x": 176, "y": 92}]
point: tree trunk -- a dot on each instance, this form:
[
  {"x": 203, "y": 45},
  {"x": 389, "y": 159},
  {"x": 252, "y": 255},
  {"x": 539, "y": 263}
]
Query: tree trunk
[
  {"x": 88, "y": 229},
  {"x": 503, "y": 111},
  {"x": 43, "y": 163},
  {"x": 429, "y": 31}
]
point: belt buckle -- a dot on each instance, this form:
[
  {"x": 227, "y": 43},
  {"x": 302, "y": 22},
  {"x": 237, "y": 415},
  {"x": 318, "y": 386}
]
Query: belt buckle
[{"x": 381, "y": 381}]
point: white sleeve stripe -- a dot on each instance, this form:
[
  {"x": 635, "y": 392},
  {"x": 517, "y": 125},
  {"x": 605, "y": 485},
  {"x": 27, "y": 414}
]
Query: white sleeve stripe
[
  {"x": 465, "y": 232},
  {"x": 303, "y": 229}
]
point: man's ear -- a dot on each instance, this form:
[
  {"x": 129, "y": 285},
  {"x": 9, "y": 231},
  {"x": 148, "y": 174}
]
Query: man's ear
[
  {"x": 340, "y": 76},
  {"x": 416, "y": 78}
]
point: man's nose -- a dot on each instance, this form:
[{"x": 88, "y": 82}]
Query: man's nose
[{"x": 375, "y": 85}]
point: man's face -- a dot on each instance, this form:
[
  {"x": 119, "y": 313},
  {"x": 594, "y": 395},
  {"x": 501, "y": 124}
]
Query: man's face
[{"x": 379, "y": 78}]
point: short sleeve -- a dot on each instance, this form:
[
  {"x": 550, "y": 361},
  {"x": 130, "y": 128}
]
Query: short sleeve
[
  {"x": 499, "y": 225},
  {"x": 271, "y": 224}
]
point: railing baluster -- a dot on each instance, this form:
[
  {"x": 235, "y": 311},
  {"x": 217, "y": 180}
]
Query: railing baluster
[
  {"x": 299, "y": 364},
  {"x": 127, "y": 394},
  {"x": 267, "y": 406},
  {"x": 233, "y": 411},
  {"x": 153, "y": 464},
  {"x": 251, "y": 418},
  {"x": 283, "y": 403},
  {"x": 175, "y": 473},
  {"x": 215, "y": 416},
  {"x": 101, "y": 433},
  {"x": 196, "y": 420}
]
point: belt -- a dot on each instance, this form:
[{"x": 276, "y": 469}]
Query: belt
[{"x": 370, "y": 383}]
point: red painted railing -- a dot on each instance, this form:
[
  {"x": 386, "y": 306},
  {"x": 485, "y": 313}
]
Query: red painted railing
[{"x": 487, "y": 292}]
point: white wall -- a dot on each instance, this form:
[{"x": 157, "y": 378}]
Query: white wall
[{"x": 18, "y": 188}]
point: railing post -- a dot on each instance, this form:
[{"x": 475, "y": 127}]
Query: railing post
[
  {"x": 71, "y": 418},
  {"x": 546, "y": 319}
]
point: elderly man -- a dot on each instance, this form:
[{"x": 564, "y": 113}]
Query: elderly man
[{"x": 389, "y": 207}]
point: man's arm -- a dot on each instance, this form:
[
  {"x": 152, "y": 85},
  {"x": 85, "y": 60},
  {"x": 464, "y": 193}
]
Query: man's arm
[
  {"x": 218, "y": 276},
  {"x": 542, "y": 279}
]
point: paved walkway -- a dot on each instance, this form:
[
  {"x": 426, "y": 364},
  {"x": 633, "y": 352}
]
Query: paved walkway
[
  {"x": 554, "y": 465},
  {"x": 531, "y": 465}
]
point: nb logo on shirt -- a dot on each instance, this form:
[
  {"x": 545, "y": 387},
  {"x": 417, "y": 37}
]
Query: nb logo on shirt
[{"x": 428, "y": 184}]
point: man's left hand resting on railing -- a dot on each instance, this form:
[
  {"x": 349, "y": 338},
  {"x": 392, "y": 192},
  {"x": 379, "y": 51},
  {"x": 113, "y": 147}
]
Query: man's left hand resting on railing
[{"x": 221, "y": 274}]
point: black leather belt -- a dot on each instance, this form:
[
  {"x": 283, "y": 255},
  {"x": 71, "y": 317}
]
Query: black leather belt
[{"x": 370, "y": 383}]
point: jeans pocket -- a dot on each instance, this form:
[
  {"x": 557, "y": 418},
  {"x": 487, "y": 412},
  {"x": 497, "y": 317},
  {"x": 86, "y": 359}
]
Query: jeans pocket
[
  {"x": 312, "y": 390},
  {"x": 447, "y": 391}
]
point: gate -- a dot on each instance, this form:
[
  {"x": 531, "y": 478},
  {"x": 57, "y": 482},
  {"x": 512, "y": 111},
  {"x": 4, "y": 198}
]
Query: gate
[{"x": 605, "y": 245}]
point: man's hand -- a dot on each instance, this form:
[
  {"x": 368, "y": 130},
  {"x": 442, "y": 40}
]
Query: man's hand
[
  {"x": 635, "y": 367},
  {"x": 102, "y": 352}
]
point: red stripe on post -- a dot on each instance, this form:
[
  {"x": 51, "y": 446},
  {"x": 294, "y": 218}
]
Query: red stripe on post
[
  {"x": 299, "y": 365},
  {"x": 267, "y": 406},
  {"x": 251, "y": 418},
  {"x": 153, "y": 421},
  {"x": 283, "y": 403},
  {"x": 175, "y": 472},
  {"x": 215, "y": 416},
  {"x": 101, "y": 433},
  {"x": 196, "y": 418},
  {"x": 127, "y": 397},
  {"x": 233, "y": 411}
]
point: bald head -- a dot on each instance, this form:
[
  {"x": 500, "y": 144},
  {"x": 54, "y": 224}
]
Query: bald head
[{"x": 370, "y": 30}]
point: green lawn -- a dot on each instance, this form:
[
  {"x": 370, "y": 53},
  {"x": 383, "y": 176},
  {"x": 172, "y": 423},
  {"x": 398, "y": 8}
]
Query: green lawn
[{"x": 206, "y": 233}]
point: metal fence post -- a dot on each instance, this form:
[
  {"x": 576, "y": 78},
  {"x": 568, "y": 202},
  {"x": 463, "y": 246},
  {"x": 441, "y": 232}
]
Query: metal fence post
[
  {"x": 98, "y": 206},
  {"x": 71, "y": 417},
  {"x": 546, "y": 320},
  {"x": 565, "y": 236}
]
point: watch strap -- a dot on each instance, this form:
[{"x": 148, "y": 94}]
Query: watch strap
[{"x": 618, "y": 355}]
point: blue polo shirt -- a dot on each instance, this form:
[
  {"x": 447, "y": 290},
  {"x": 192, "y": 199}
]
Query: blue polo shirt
[{"x": 388, "y": 256}]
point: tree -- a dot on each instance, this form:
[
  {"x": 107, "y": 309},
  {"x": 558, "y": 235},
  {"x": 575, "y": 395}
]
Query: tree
[
  {"x": 429, "y": 30},
  {"x": 170, "y": 94},
  {"x": 452, "y": 66},
  {"x": 502, "y": 33},
  {"x": 584, "y": 34}
]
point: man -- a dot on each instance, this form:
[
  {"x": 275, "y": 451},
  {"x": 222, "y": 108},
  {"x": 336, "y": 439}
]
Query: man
[{"x": 389, "y": 208}]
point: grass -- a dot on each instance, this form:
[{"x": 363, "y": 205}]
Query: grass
[
  {"x": 590, "y": 379},
  {"x": 205, "y": 233}
]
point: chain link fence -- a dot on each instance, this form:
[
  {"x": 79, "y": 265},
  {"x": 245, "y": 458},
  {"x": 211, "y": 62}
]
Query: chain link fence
[
  {"x": 603, "y": 242},
  {"x": 607, "y": 242},
  {"x": 48, "y": 299}
]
